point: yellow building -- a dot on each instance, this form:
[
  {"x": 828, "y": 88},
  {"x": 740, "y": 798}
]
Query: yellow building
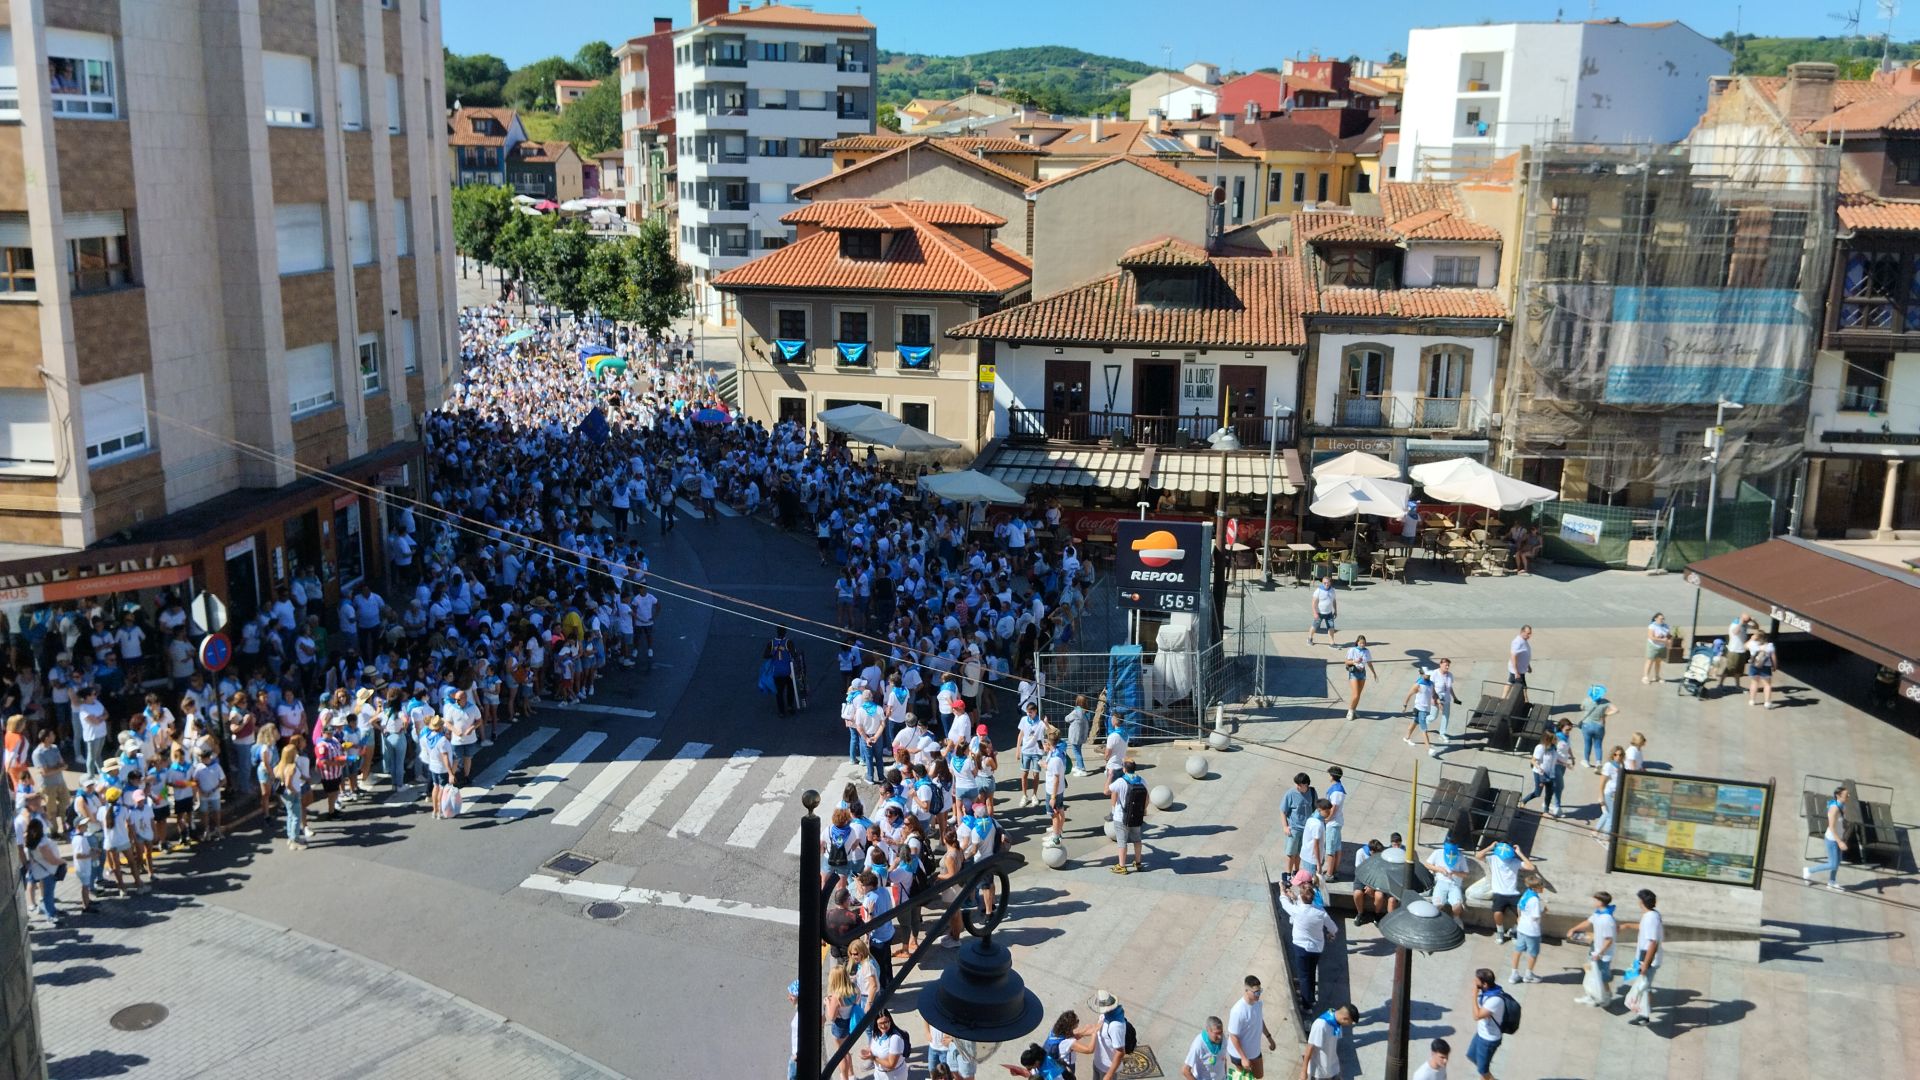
[{"x": 1301, "y": 164}]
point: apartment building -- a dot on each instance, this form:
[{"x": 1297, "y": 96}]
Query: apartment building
[
  {"x": 759, "y": 92},
  {"x": 1478, "y": 93},
  {"x": 646, "y": 122},
  {"x": 225, "y": 235}
]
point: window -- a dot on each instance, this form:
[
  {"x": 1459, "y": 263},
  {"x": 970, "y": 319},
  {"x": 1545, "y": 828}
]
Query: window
[
  {"x": 97, "y": 250},
  {"x": 310, "y": 378},
  {"x": 353, "y": 104},
  {"x": 791, "y": 324},
  {"x": 773, "y": 50},
  {"x": 114, "y": 417},
  {"x": 813, "y": 54},
  {"x": 773, "y": 99},
  {"x": 369, "y": 349},
  {"x": 917, "y": 414},
  {"x": 402, "y": 228},
  {"x": 1864, "y": 384},
  {"x": 16, "y": 256},
  {"x": 1906, "y": 168},
  {"x": 853, "y": 326},
  {"x": 773, "y": 148},
  {"x": 849, "y": 105},
  {"x": 1299, "y": 187},
  {"x": 300, "y": 232},
  {"x": 1323, "y": 187},
  {"x": 812, "y": 148},
  {"x": 1364, "y": 387},
  {"x": 1568, "y": 223},
  {"x": 1456, "y": 270},
  {"x": 1276, "y": 184},
  {"x": 773, "y": 241},
  {"x": 394, "y": 104},
  {"x": 1161, "y": 288},
  {"x": 916, "y": 328},
  {"x": 810, "y": 99},
  {"x": 859, "y": 244},
  {"x": 1239, "y": 197},
  {"x": 9, "y": 81},
  {"x": 1870, "y": 291},
  {"x": 80, "y": 74},
  {"x": 360, "y": 247},
  {"x": 26, "y": 433},
  {"x": 287, "y": 84},
  {"x": 409, "y": 347},
  {"x": 1354, "y": 267},
  {"x": 1363, "y": 183}
]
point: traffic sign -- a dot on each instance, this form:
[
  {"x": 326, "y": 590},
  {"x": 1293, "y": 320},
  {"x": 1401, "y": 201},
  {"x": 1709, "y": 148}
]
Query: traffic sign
[
  {"x": 208, "y": 612},
  {"x": 215, "y": 651}
]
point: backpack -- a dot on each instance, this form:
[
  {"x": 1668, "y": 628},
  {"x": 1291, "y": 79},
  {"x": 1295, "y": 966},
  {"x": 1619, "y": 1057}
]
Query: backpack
[
  {"x": 1052, "y": 1049},
  {"x": 1131, "y": 1040},
  {"x": 1135, "y": 807},
  {"x": 1509, "y": 1014},
  {"x": 936, "y": 797}
]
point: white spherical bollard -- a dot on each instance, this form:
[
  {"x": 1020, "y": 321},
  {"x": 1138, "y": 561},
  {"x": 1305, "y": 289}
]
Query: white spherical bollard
[
  {"x": 1054, "y": 856},
  {"x": 1197, "y": 766},
  {"x": 1218, "y": 740},
  {"x": 1161, "y": 797},
  {"x": 1108, "y": 825}
]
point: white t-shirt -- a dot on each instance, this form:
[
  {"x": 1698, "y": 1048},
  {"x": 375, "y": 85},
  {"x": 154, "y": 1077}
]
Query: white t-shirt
[
  {"x": 1488, "y": 1027},
  {"x": 1636, "y": 758},
  {"x": 1310, "y": 840},
  {"x": 1426, "y": 1071},
  {"x": 1118, "y": 789},
  {"x": 884, "y": 1046},
  {"x": 1442, "y": 688},
  {"x": 1443, "y": 870},
  {"x": 93, "y": 720},
  {"x": 1520, "y": 656},
  {"x": 1337, "y": 795},
  {"x": 1528, "y": 915},
  {"x": 1056, "y": 774},
  {"x": 1323, "y": 1058},
  {"x": 643, "y": 607},
  {"x": 1322, "y": 600},
  {"x": 1653, "y": 930},
  {"x": 1736, "y": 640},
  {"x": 1605, "y": 928},
  {"x": 1109, "y": 1041},
  {"x": 1030, "y": 728},
  {"x": 1245, "y": 1022},
  {"x": 1207, "y": 1064},
  {"x": 1504, "y": 875},
  {"x": 1360, "y": 656}
]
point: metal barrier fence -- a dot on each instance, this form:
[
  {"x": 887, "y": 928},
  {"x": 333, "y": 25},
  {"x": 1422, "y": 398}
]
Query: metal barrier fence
[
  {"x": 1178, "y": 691},
  {"x": 1623, "y": 537}
]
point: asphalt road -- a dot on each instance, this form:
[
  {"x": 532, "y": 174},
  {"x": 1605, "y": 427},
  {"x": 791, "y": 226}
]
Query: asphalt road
[{"x": 680, "y": 782}]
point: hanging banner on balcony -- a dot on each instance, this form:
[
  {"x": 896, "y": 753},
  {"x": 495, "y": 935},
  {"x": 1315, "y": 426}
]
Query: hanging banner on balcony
[
  {"x": 790, "y": 349},
  {"x": 852, "y": 352},
  {"x": 916, "y": 356}
]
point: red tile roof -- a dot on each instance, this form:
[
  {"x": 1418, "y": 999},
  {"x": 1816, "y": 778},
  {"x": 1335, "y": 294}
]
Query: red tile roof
[
  {"x": 875, "y": 141},
  {"x": 792, "y": 18},
  {"x": 1281, "y": 133},
  {"x": 921, "y": 142},
  {"x": 1878, "y": 215},
  {"x": 919, "y": 258},
  {"x": 992, "y": 144},
  {"x": 1165, "y": 251},
  {"x": 889, "y": 214},
  {"x": 1155, "y": 166},
  {"x": 1412, "y": 303},
  {"x": 1340, "y": 227},
  {"x": 460, "y": 127},
  {"x": 1245, "y": 303},
  {"x": 1894, "y": 113},
  {"x": 1400, "y": 199},
  {"x": 541, "y": 151}
]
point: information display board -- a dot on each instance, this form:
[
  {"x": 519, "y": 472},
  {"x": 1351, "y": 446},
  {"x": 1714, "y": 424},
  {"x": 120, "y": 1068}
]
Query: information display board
[
  {"x": 1161, "y": 565},
  {"x": 1693, "y": 827}
]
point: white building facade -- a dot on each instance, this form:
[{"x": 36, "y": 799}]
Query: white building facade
[
  {"x": 1478, "y": 93},
  {"x": 757, "y": 93}
]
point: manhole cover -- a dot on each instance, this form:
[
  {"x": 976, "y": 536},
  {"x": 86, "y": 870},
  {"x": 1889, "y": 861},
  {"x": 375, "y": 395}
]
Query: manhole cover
[
  {"x": 606, "y": 909},
  {"x": 139, "y": 1017},
  {"x": 569, "y": 862},
  {"x": 1139, "y": 1065}
]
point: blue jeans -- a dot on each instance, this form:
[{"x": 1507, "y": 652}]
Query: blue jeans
[
  {"x": 854, "y": 743},
  {"x": 1079, "y": 763},
  {"x": 1541, "y": 786},
  {"x": 1557, "y": 788},
  {"x": 870, "y": 753},
  {"x": 394, "y": 758},
  {"x": 46, "y": 897},
  {"x": 1481, "y": 1052},
  {"x": 1831, "y": 867},
  {"x": 1591, "y": 738},
  {"x": 291, "y": 803}
]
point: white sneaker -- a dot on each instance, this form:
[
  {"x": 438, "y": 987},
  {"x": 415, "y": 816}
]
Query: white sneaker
[
  {"x": 1435, "y": 752},
  {"x": 1513, "y": 976},
  {"x": 1806, "y": 874},
  {"x": 1529, "y": 977},
  {"x": 486, "y": 742},
  {"x": 1409, "y": 741},
  {"x": 1836, "y": 886},
  {"x": 1351, "y": 713}
]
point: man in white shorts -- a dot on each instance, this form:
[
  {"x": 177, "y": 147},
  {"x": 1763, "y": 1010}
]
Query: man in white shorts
[{"x": 1449, "y": 866}]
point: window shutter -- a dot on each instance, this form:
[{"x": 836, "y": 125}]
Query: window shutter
[
  {"x": 26, "y": 431},
  {"x": 393, "y": 104},
  {"x": 113, "y": 409},
  {"x": 301, "y": 233},
  {"x": 287, "y": 82},
  {"x": 90, "y": 224},
  {"x": 402, "y": 228},
  {"x": 410, "y": 346},
  {"x": 353, "y": 105},
  {"x": 310, "y": 374},
  {"x": 360, "y": 232},
  {"x": 9, "y": 78},
  {"x": 79, "y": 45},
  {"x": 14, "y": 232}
]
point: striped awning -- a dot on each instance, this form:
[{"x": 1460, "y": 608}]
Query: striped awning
[{"x": 1123, "y": 470}]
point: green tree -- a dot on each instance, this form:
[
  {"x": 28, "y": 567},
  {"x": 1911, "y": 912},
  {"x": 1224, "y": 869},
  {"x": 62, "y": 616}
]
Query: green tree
[
  {"x": 889, "y": 117},
  {"x": 560, "y": 269},
  {"x": 480, "y": 212},
  {"x": 592, "y": 122},
  {"x": 531, "y": 87},
  {"x": 595, "y": 60},
  {"x": 514, "y": 246},
  {"x": 478, "y": 80},
  {"x": 658, "y": 281}
]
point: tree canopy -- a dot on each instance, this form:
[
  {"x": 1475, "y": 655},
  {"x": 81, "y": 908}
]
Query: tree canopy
[
  {"x": 479, "y": 80},
  {"x": 531, "y": 87},
  {"x": 595, "y": 60},
  {"x": 592, "y": 122}
]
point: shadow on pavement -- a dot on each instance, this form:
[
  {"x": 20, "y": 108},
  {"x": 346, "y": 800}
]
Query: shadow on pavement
[
  {"x": 1807, "y": 936},
  {"x": 95, "y": 1064}
]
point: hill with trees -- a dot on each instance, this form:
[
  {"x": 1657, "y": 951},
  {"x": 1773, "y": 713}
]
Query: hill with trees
[
  {"x": 1856, "y": 55},
  {"x": 1052, "y": 78}
]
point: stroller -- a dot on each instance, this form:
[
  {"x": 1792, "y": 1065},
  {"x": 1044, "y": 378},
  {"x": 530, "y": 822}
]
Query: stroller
[{"x": 1700, "y": 667}]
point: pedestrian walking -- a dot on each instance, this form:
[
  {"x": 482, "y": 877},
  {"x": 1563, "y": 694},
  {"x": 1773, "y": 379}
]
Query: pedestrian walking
[
  {"x": 1546, "y": 769},
  {"x": 1489, "y": 1019},
  {"x": 1321, "y": 1060},
  {"x": 1435, "y": 1066},
  {"x": 1593, "y": 725},
  {"x": 1078, "y": 723},
  {"x": 1836, "y": 838},
  {"x": 1359, "y": 664},
  {"x": 1761, "y": 658},
  {"x": 1636, "y": 755},
  {"x": 1296, "y": 807},
  {"x": 1526, "y": 930},
  {"x": 1504, "y": 865},
  {"x": 1421, "y": 701},
  {"x": 1659, "y": 641},
  {"x": 1520, "y": 660},
  {"x": 1734, "y": 661},
  {"x": 1330, "y": 843},
  {"x": 1598, "y": 932},
  {"x": 1109, "y": 1036},
  {"x": 1207, "y": 1055},
  {"x": 1609, "y": 784},
  {"x": 44, "y": 866},
  {"x": 779, "y": 654},
  {"x": 1323, "y": 609},
  {"x": 1129, "y": 817},
  {"x": 1312, "y": 931},
  {"x": 1648, "y": 946},
  {"x": 1246, "y": 1029}
]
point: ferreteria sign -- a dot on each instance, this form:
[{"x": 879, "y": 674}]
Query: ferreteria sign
[{"x": 55, "y": 575}]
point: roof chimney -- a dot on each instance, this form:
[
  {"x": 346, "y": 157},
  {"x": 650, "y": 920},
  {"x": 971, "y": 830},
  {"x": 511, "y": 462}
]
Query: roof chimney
[
  {"x": 1098, "y": 128},
  {"x": 1154, "y": 117},
  {"x": 1226, "y": 127},
  {"x": 662, "y": 24},
  {"x": 1808, "y": 93}
]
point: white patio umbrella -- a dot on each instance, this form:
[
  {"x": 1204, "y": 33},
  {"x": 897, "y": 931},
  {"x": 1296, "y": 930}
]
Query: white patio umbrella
[
  {"x": 1470, "y": 483},
  {"x": 851, "y": 420},
  {"x": 1338, "y": 496},
  {"x": 1432, "y": 471},
  {"x": 1355, "y": 463},
  {"x": 968, "y": 486},
  {"x": 870, "y": 425}
]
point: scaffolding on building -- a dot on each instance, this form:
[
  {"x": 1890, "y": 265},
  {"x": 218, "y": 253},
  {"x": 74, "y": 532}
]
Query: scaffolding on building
[{"x": 1654, "y": 283}]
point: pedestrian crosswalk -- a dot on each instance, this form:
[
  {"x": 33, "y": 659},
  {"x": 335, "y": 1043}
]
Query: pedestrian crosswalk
[{"x": 739, "y": 798}]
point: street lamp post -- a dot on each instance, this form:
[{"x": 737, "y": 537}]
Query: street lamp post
[
  {"x": 1227, "y": 443},
  {"x": 1415, "y": 925},
  {"x": 1716, "y": 437},
  {"x": 1279, "y": 413}
]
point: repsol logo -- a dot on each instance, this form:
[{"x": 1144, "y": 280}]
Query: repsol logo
[{"x": 1155, "y": 575}]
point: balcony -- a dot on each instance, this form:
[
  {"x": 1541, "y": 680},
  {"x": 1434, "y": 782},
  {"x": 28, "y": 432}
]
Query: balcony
[
  {"x": 852, "y": 114},
  {"x": 1140, "y": 429},
  {"x": 916, "y": 359},
  {"x": 855, "y": 67},
  {"x": 853, "y": 355},
  {"x": 1421, "y": 414},
  {"x": 1363, "y": 410}
]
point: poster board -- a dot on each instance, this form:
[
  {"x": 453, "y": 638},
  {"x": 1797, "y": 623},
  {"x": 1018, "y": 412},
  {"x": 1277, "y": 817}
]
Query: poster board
[{"x": 1697, "y": 828}]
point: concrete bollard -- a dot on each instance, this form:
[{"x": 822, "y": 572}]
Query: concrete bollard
[
  {"x": 1197, "y": 766},
  {"x": 1054, "y": 856},
  {"x": 1218, "y": 740},
  {"x": 1161, "y": 797}
]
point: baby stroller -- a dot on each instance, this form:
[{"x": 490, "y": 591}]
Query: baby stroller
[{"x": 1700, "y": 663}]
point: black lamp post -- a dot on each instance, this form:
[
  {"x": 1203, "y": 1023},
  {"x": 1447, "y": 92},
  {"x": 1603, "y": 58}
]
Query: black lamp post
[
  {"x": 979, "y": 997},
  {"x": 1415, "y": 925}
]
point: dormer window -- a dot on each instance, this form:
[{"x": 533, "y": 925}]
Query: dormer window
[
  {"x": 1359, "y": 268},
  {"x": 1166, "y": 288},
  {"x": 860, "y": 244}
]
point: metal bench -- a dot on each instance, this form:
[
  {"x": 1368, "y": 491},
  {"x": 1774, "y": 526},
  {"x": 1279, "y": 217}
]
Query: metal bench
[
  {"x": 1498, "y": 821},
  {"x": 1455, "y": 804}
]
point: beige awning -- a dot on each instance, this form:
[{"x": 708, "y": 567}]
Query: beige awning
[
  {"x": 1067, "y": 467},
  {"x": 1199, "y": 470},
  {"x": 1122, "y": 470}
]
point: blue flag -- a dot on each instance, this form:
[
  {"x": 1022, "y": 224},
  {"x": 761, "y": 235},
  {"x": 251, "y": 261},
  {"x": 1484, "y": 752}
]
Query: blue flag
[{"x": 594, "y": 426}]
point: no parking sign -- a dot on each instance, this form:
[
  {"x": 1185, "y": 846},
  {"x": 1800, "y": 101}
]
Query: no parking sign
[{"x": 215, "y": 652}]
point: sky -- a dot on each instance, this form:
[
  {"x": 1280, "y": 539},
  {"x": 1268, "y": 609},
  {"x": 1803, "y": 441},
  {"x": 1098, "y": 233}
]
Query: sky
[{"x": 1240, "y": 34}]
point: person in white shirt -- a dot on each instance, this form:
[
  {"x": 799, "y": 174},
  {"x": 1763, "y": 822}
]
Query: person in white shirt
[
  {"x": 1324, "y": 607},
  {"x": 1359, "y": 669},
  {"x": 1489, "y": 1008},
  {"x": 1032, "y": 729},
  {"x": 1435, "y": 1067},
  {"x": 1526, "y": 930},
  {"x": 1055, "y": 784},
  {"x": 886, "y": 1049},
  {"x": 1109, "y": 1036},
  {"x": 1313, "y": 930},
  {"x": 1321, "y": 1060},
  {"x": 1207, "y": 1057},
  {"x": 1601, "y": 930},
  {"x": 463, "y": 728},
  {"x": 1520, "y": 660},
  {"x": 1503, "y": 873},
  {"x": 1649, "y": 941},
  {"x": 1449, "y": 866},
  {"x": 1735, "y": 662},
  {"x": 1313, "y": 836},
  {"x": 1246, "y": 1027}
]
